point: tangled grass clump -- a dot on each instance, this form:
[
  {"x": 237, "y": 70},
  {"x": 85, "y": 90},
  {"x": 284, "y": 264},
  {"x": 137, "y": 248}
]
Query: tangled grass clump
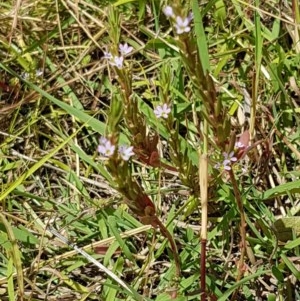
[{"x": 149, "y": 150}]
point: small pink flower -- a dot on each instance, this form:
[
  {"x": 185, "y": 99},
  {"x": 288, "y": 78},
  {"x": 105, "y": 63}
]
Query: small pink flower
[
  {"x": 230, "y": 156},
  {"x": 125, "y": 49},
  {"x": 106, "y": 148},
  {"x": 182, "y": 25},
  {"x": 168, "y": 11},
  {"x": 126, "y": 152},
  {"x": 228, "y": 160},
  {"x": 239, "y": 144},
  {"x": 117, "y": 61},
  {"x": 107, "y": 55},
  {"x": 103, "y": 140},
  {"x": 162, "y": 111}
]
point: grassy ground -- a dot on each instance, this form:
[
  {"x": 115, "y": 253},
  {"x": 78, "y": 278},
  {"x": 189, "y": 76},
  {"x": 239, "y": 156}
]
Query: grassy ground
[{"x": 232, "y": 77}]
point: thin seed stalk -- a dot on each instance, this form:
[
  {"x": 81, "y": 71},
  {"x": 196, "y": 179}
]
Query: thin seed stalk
[{"x": 203, "y": 180}]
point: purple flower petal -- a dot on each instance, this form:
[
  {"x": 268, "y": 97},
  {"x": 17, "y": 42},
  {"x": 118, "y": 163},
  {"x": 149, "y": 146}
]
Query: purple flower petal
[
  {"x": 125, "y": 49},
  {"x": 117, "y": 61},
  {"x": 182, "y": 25},
  {"x": 168, "y": 11},
  {"x": 126, "y": 152},
  {"x": 106, "y": 148},
  {"x": 162, "y": 111},
  {"x": 107, "y": 55}
]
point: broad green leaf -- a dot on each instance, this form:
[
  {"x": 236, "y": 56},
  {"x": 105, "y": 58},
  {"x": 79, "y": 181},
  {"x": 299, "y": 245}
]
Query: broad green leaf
[
  {"x": 283, "y": 189},
  {"x": 201, "y": 38},
  {"x": 220, "y": 12},
  {"x": 277, "y": 273},
  {"x": 241, "y": 282},
  {"x": 113, "y": 227},
  {"x": 110, "y": 252},
  {"x": 21, "y": 234},
  {"x": 291, "y": 266},
  {"x": 292, "y": 244}
]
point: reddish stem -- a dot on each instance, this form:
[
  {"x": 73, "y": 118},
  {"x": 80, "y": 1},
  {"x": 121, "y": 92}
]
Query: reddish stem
[
  {"x": 203, "y": 270},
  {"x": 165, "y": 232}
]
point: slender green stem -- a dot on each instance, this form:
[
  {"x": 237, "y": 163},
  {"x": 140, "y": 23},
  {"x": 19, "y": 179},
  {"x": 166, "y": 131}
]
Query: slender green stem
[
  {"x": 242, "y": 229},
  {"x": 165, "y": 232}
]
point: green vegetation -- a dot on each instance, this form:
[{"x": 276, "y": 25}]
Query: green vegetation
[{"x": 161, "y": 138}]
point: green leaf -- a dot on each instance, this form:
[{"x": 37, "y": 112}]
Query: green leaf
[
  {"x": 284, "y": 189},
  {"x": 271, "y": 297},
  {"x": 22, "y": 234},
  {"x": 113, "y": 227},
  {"x": 292, "y": 244},
  {"x": 291, "y": 266},
  {"x": 118, "y": 267},
  {"x": 220, "y": 12},
  {"x": 241, "y": 282},
  {"x": 277, "y": 273},
  {"x": 110, "y": 252},
  {"x": 201, "y": 38},
  {"x": 115, "y": 114}
]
